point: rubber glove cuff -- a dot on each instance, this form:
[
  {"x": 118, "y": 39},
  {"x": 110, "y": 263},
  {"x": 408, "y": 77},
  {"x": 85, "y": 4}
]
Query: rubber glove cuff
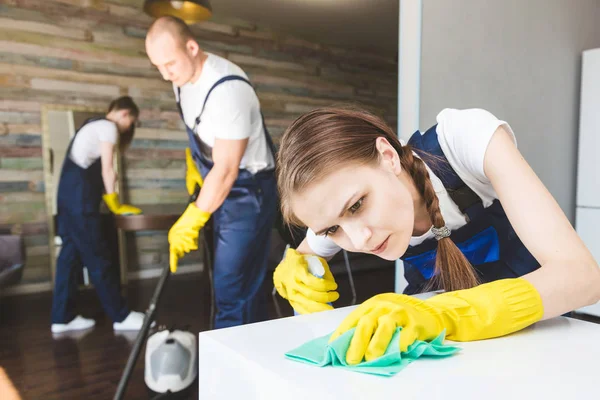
[{"x": 112, "y": 202}]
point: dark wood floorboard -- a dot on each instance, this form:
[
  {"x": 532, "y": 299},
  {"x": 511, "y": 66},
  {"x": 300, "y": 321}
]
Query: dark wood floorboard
[{"x": 89, "y": 365}]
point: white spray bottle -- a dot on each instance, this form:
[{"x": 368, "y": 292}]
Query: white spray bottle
[{"x": 315, "y": 268}]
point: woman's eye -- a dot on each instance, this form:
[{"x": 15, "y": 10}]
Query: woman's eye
[
  {"x": 332, "y": 230},
  {"x": 353, "y": 209},
  {"x": 356, "y": 206}
]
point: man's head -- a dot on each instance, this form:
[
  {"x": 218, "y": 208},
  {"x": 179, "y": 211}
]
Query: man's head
[{"x": 171, "y": 47}]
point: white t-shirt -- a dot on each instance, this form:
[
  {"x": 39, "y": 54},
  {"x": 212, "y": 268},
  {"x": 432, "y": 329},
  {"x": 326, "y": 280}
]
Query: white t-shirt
[
  {"x": 464, "y": 136},
  {"x": 86, "y": 147},
  {"x": 232, "y": 112}
]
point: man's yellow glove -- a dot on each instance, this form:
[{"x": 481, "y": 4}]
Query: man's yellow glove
[
  {"x": 305, "y": 292},
  {"x": 192, "y": 176},
  {"x": 115, "y": 206},
  {"x": 486, "y": 311},
  {"x": 183, "y": 235}
]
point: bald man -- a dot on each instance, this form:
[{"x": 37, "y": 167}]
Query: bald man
[{"x": 230, "y": 145}]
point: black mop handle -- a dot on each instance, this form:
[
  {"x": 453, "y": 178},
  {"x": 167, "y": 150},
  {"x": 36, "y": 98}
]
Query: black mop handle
[
  {"x": 142, "y": 334},
  {"x": 150, "y": 313}
]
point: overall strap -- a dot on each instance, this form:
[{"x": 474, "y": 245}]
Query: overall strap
[
  {"x": 89, "y": 120},
  {"x": 179, "y": 103},
  {"x": 464, "y": 197},
  {"x": 217, "y": 83}
]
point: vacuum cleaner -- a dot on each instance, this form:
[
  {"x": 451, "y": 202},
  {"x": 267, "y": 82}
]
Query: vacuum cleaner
[
  {"x": 171, "y": 366},
  {"x": 171, "y": 360}
]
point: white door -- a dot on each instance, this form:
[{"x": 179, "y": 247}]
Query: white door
[{"x": 587, "y": 222}]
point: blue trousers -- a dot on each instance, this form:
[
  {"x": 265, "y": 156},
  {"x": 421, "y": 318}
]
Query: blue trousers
[
  {"x": 242, "y": 235},
  {"x": 84, "y": 244}
]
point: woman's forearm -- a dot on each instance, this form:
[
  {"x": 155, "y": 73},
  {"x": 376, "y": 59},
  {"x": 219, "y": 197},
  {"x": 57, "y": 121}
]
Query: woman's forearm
[
  {"x": 564, "y": 288},
  {"x": 109, "y": 177}
]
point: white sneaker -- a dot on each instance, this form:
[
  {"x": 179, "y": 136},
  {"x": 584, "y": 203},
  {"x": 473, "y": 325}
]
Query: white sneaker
[
  {"x": 133, "y": 322},
  {"x": 74, "y": 335},
  {"x": 78, "y": 323}
]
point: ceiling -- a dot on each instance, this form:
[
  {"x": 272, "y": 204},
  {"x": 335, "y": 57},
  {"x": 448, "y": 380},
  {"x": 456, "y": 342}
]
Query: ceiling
[{"x": 363, "y": 24}]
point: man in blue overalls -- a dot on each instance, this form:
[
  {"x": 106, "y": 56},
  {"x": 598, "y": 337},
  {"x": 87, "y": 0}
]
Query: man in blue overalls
[{"x": 232, "y": 148}]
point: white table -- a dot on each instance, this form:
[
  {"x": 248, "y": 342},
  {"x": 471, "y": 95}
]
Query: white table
[{"x": 554, "y": 359}]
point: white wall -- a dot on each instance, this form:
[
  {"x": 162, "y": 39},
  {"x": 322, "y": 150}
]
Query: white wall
[{"x": 521, "y": 60}]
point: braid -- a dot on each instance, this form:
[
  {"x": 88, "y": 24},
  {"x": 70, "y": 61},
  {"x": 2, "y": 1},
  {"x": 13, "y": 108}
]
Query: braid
[
  {"x": 320, "y": 140},
  {"x": 416, "y": 168},
  {"x": 452, "y": 269}
]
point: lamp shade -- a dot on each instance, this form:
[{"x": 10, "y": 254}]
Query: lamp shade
[{"x": 188, "y": 10}]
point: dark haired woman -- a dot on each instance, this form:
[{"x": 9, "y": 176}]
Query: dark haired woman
[
  {"x": 86, "y": 174},
  {"x": 458, "y": 204}
]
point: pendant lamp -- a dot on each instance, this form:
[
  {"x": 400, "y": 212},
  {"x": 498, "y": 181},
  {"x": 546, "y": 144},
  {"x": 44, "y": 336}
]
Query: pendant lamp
[{"x": 190, "y": 11}]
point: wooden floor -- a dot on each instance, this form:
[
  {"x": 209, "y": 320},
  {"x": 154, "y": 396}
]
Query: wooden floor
[{"x": 89, "y": 365}]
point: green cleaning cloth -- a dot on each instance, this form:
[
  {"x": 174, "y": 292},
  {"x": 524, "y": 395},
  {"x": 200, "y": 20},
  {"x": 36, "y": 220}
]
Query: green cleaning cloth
[{"x": 320, "y": 353}]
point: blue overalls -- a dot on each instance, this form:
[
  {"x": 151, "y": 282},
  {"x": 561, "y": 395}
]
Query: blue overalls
[
  {"x": 79, "y": 226},
  {"x": 241, "y": 233},
  {"x": 488, "y": 240}
]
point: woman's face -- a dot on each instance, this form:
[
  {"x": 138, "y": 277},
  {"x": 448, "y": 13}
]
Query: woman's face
[
  {"x": 124, "y": 121},
  {"x": 362, "y": 208}
]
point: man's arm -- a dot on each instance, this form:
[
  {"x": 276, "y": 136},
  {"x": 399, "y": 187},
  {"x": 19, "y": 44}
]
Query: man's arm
[{"x": 227, "y": 155}]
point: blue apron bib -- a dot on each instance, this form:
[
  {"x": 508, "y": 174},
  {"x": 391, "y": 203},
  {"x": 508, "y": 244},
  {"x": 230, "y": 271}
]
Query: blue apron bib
[
  {"x": 241, "y": 231},
  {"x": 488, "y": 240},
  {"x": 83, "y": 242},
  {"x": 80, "y": 189}
]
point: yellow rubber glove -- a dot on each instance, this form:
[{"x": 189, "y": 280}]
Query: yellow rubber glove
[
  {"x": 192, "y": 176},
  {"x": 115, "y": 206},
  {"x": 183, "y": 235},
  {"x": 486, "y": 311},
  {"x": 306, "y": 293}
]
